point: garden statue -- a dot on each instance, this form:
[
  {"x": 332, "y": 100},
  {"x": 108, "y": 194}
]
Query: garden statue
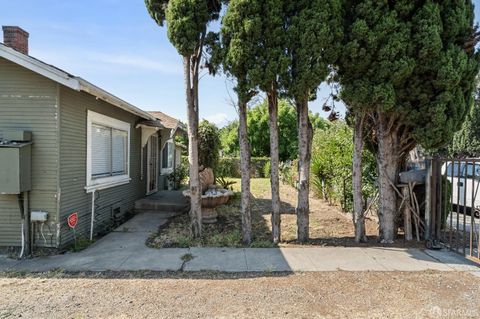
[{"x": 212, "y": 196}]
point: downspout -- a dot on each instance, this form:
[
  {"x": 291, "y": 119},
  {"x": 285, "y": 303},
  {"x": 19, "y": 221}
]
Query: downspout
[
  {"x": 93, "y": 215},
  {"x": 25, "y": 227},
  {"x": 142, "y": 149}
]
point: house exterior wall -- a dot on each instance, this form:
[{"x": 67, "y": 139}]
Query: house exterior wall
[
  {"x": 73, "y": 141},
  {"x": 30, "y": 102}
]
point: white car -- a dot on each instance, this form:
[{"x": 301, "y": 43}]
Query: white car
[{"x": 464, "y": 176}]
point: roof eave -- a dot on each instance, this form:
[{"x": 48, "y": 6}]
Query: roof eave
[
  {"x": 68, "y": 80},
  {"x": 39, "y": 67},
  {"x": 112, "y": 99}
]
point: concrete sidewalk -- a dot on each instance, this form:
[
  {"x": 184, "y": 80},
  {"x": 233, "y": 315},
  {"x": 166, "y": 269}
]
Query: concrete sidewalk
[
  {"x": 139, "y": 257},
  {"x": 125, "y": 250}
]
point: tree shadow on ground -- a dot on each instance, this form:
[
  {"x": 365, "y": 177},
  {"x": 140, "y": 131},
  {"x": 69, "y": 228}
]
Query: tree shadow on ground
[
  {"x": 144, "y": 274},
  {"x": 328, "y": 227}
]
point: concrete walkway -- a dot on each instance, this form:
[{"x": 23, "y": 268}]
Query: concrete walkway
[{"x": 125, "y": 250}]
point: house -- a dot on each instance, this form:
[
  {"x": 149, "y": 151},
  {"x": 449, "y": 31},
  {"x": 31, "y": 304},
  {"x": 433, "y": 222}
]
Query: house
[
  {"x": 89, "y": 152},
  {"x": 170, "y": 151}
]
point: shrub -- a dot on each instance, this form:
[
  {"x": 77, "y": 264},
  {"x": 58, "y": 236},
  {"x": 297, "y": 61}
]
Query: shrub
[
  {"x": 288, "y": 172},
  {"x": 331, "y": 170},
  {"x": 224, "y": 182},
  {"x": 230, "y": 167},
  {"x": 208, "y": 145},
  {"x": 179, "y": 175},
  {"x": 266, "y": 169}
]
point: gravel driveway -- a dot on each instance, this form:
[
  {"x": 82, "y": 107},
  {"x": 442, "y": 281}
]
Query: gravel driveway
[{"x": 209, "y": 295}]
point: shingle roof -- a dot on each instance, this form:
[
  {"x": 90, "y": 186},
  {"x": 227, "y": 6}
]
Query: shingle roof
[{"x": 168, "y": 121}]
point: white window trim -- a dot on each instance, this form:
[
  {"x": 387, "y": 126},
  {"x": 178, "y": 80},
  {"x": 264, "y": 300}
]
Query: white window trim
[{"x": 111, "y": 181}]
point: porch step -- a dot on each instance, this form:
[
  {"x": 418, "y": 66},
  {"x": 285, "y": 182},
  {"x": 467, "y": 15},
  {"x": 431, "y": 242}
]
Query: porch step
[
  {"x": 159, "y": 213},
  {"x": 164, "y": 202}
]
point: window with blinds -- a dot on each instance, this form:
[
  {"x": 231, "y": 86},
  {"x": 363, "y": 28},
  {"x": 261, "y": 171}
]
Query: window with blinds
[
  {"x": 167, "y": 155},
  {"x": 109, "y": 151}
]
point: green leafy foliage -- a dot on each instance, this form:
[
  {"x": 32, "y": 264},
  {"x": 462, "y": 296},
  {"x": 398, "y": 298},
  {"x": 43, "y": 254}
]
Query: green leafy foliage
[
  {"x": 332, "y": 155},
  {"x": 208, "y": 144},
  {"x": 229, "y": 139},
  {"x": 224, "y": 182},
  {"x": 267, "y": 169},
  {"x": 230, "y": 167},
  {"x": 313, "y": 37},
  {"x": 289, "y": 172},
  {"x": 466, "y": 142},
  {"x": 253, "y": 43},
  {"x": 179, "y": 175},
  {"x": 186, "y": 19},
  {"x": 258, "y": 131},
  {"x": 241, "y": 28},
  {"x": 411, "y": 61}
]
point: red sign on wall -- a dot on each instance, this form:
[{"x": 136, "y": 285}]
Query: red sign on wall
[{"x": 72, "y": 220}]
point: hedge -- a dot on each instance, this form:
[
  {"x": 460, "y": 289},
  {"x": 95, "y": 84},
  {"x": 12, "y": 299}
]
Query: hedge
[{"x": 230, "y": 167}]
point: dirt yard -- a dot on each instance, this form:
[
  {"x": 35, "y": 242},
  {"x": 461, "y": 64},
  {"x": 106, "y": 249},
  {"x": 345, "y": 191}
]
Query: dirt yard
[
  {"x": 328, "y": 225},
  {"x": 204, "y": 295}
]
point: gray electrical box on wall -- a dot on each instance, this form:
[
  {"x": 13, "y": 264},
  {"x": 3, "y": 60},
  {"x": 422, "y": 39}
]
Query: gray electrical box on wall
[{"x": 15, "y": 163}]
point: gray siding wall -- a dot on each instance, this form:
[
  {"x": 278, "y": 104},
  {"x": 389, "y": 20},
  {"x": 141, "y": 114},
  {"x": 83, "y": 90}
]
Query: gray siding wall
[
  {"x": 29, "y": 102},
  {"x": 73, "y": 140}
]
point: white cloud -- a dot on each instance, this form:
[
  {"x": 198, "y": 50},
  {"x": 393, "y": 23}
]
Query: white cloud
[
  {"x": 78, "y": 60},
  {"x": 137, "y": 61},
  {"x": 219, "y": 119}
]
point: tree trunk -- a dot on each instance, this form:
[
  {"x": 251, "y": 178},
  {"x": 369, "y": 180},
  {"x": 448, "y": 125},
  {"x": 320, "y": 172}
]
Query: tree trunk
[
  {"x": 387, "y": 163},
  {"x": 407, "y": 214},
  {"x": 274, "y": 160},
  {"x": 305, "y": 135},
  {"x": 245, "y": 173},
  {"x": 191, "y": 87},
  {"x": 358, "y": 213}
]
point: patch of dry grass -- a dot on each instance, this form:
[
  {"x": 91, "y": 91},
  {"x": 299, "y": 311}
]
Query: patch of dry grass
[{"x": 328, "y": 225}]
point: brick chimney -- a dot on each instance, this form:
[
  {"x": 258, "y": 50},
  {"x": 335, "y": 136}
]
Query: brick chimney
[{"x": 15, "y": 37}]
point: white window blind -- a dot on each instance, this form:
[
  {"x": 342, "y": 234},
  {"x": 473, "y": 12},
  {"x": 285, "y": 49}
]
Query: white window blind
[
  {"x": 101, "y": 151},
  {"x": 109, "y": 151},
  {"x": 119, "y": 152}
]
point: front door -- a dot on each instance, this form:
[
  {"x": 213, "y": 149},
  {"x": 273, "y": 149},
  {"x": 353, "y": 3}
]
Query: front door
[{"x": 152, "y": 164}]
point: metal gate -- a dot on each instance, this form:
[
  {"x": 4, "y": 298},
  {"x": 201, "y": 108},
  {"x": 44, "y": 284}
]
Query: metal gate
[{"x": 453, "y": 205}]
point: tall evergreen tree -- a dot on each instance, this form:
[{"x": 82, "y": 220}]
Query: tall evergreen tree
[
  {"x": 466, "y": 142},
  {"x": 411, "y": 65},
  {"x": 314, "y": 32},
  {"x": 187, "y": 22},
  {"x": 267, "y": 34},
  {"x": 239, "y": 35}
]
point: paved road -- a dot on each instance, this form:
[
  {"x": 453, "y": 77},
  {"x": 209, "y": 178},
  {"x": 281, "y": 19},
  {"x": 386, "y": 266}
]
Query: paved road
[
  {"x": 468, "y": 224},
  {"x": 125, "y": 250}
]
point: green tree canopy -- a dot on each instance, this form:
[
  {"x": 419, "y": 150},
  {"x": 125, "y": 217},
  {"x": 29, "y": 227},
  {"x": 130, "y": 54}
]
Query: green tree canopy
[
  {"x": 258, "y": 131},
  {"x": 411, "y": 61},
  {"x": 466, "y": 142},
  {"x": 410, "y": 66},
  {"x": 313, "y": 38},
  {"x": 187, "y": 20}
]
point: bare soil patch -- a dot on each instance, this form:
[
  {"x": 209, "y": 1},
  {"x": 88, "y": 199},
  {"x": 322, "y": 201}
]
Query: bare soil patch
[
  {"x": 215, "y": 295},
  {"x": 329, "y": 226}
]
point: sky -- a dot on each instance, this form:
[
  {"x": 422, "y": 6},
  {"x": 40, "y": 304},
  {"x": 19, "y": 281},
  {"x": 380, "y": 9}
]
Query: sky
[{"x": 115, "y": 45}]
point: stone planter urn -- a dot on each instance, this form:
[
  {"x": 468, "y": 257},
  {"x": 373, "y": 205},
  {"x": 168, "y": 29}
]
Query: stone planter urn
[{"x": 212, "y": 196}]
